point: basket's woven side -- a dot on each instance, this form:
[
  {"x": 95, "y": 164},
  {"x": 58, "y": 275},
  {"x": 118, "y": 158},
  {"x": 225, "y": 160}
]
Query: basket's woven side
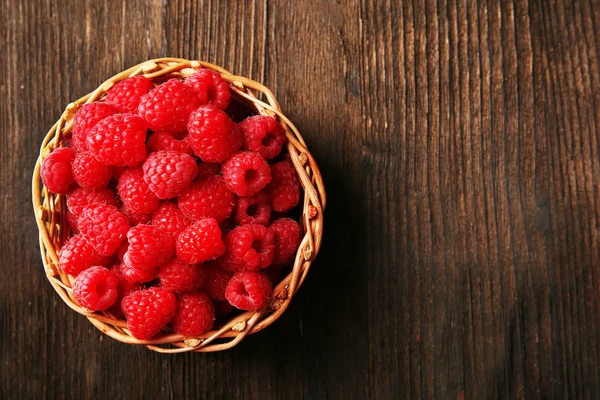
[{"x": 51, "y": 217}]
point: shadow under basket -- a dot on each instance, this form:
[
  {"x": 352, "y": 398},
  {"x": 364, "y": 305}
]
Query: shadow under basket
[{"x": 50, "y": 213}]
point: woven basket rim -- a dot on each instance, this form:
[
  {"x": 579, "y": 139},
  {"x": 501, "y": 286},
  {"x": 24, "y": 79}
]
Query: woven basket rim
[{"x": 53, "y": 228}]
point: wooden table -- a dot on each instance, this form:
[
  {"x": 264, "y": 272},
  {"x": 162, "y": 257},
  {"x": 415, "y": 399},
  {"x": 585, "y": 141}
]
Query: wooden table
[{"x": 459, "y": 142}]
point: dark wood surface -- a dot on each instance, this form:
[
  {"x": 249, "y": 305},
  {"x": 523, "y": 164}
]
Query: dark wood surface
[{"x": 459, "y": 143}]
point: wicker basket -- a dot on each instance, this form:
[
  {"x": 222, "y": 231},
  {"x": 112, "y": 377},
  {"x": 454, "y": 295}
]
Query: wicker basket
[{"x": 54, "y": 230}]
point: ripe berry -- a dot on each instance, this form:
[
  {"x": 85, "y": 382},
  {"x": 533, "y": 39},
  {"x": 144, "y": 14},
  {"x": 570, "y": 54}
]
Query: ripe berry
[
  {"x": 135, "y": 193},
  {"x": 246, "y": 173},
  {"x": 89, "y": 172},
  {"x": 252, "y": 210},
  {"x": 168, "y": 106},
  {"x": 169, "y": 141},
  {"x": 135, "y": 218},
  {"x": 210, "y": 87},
  {"x": 118, "y": 140},
  {"x": 77, "y": 255},
  {"x": 104, "y": 227},
  {"x": 248, "y": 247},
  {"x": 137, "y": 275},
  {"x": 79, "y": 198},
  {"x": 195, "y": 314},
  {"x": 169, "y": 219},
  {"x": 200, "y": 242},
  {"x": 207, "y": 198},
  {"x": 149, "y": 248},
  {"x": 287, "y": 236},
  {"x": 216, "y": 281},
  {"x": 56, "y": 170},
  {"x": 263, "y": 135},
  {"x": 148, "y": 311},
  {"x": 179, "y": 277},
  {"x": 85, "y": 119},
  {"x": 96, "y": 288},
  {"x": 284, "y": 189},
  {"x": 248, "y": 290},
  {"x": 167, "y": 173},
  {"x": 125, "y": 96},
  {"x": 213, "y": 136}
]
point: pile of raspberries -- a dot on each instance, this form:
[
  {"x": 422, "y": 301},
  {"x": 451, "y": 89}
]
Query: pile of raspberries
[{"x": 179, "y": 213}]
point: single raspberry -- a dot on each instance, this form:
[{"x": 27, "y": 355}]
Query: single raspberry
[
  {"x": 207, "y": 198},
  {"x": 56, "y": 170},
  {"x": 125, "y": 96},
  {"x": 248, "y": 290},
  {"x": 89, "y": 172},
  {"x": 252, "y": 210},
  {"x": 206, "y": 169},
  {"x": 104, "y": 227},
  {"x": 200, "y": 242},
  {"x": 137, "y": 275},
  {"x": 96, "y": 288},
  {"x": 135, "y": 218},
  {"x": 135, "y": 193},
  {"x": 72, "y": 220},
  {"x": 246, "y": 173},
  {"x": 148, "y": 247},
  {"x": 85, "y": 119},
  {"x": 148, "y": 311},
  {"x": 287, "y": 236},
  {"x": 213, "y": 136},
  {"x": 169, "y": 141},
  {"x": 118, "y": 140},
  {"x": 210, "y": 87},
  {"x": 216, "y": 281},
  {"x": 284, "y": 189},
  {"x": 169, "y": 219},
  {"x": 124, "y": 288},
  {"x": 167, "y": 173},
  {"x": 179, "y": 277},
  {"x": 77, "y": 255},
  {"x": 222, "y": 308},
  {"x": 248, "y": 247},
  {"x": 80, "y": 198},
  {"x": 263, "y": 135},
  {"x": 168, "y": 106},
  {"x": 195, "y": 314}
]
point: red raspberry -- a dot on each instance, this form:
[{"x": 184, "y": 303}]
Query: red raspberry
[
  {"x": 169, "y": 219},
  {"x": 96, "y": 288},
  {"x": 80, "y": 198},
  {"x": 216, "y": 281},
  {"x": 56, "y": 170},
  {"x": 104, "y": 227},
  {"x": 195, "y": 314},
  {"x": 137, "y": 275},
  {"x": 168, "y": 141},
  {"x": 252, "y": 210},
  {"x": 85, "y": 119},
  {"x": 287, "y": 237},
  {"x": 135, "y": 193},
  {"x": 168, "y": 106},
  {"x": 206, "y": 169},
  {"x": 207, "y": 198},
  {"x": 248, "y": 290},
  {"x": 263, "y": 135},
  {"x": 148, "y": 311},
  {"x": 179, "y": 277},
  {"x": 248, "y": 247},
  {"x": 222, "y": 308},
  {"x": 246, "y": 173},
  {"x": 213, "y": 136},
  {"x": 200, "y": 242},
  {"x": 284, "y": 189},
  {"x": 135, "y": 218},
  {"x": 210, "y": 87},
  {"x": 72, "y": 220},
  {"x": 125, "y": 96},
  {"x": 124, "y": 288},
  {"x": 122, "y": 250},
  {"x": 89, "y": 172},
  {"x": 118, "y": 140},
  {"x": 148, "y": 247},
  {"x": 77, "y": 255},
  {"x": 167, "y": 173}
]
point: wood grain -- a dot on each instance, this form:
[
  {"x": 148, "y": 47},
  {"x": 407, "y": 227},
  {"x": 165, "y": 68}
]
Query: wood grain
[{"x": 459, "y": 142}]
